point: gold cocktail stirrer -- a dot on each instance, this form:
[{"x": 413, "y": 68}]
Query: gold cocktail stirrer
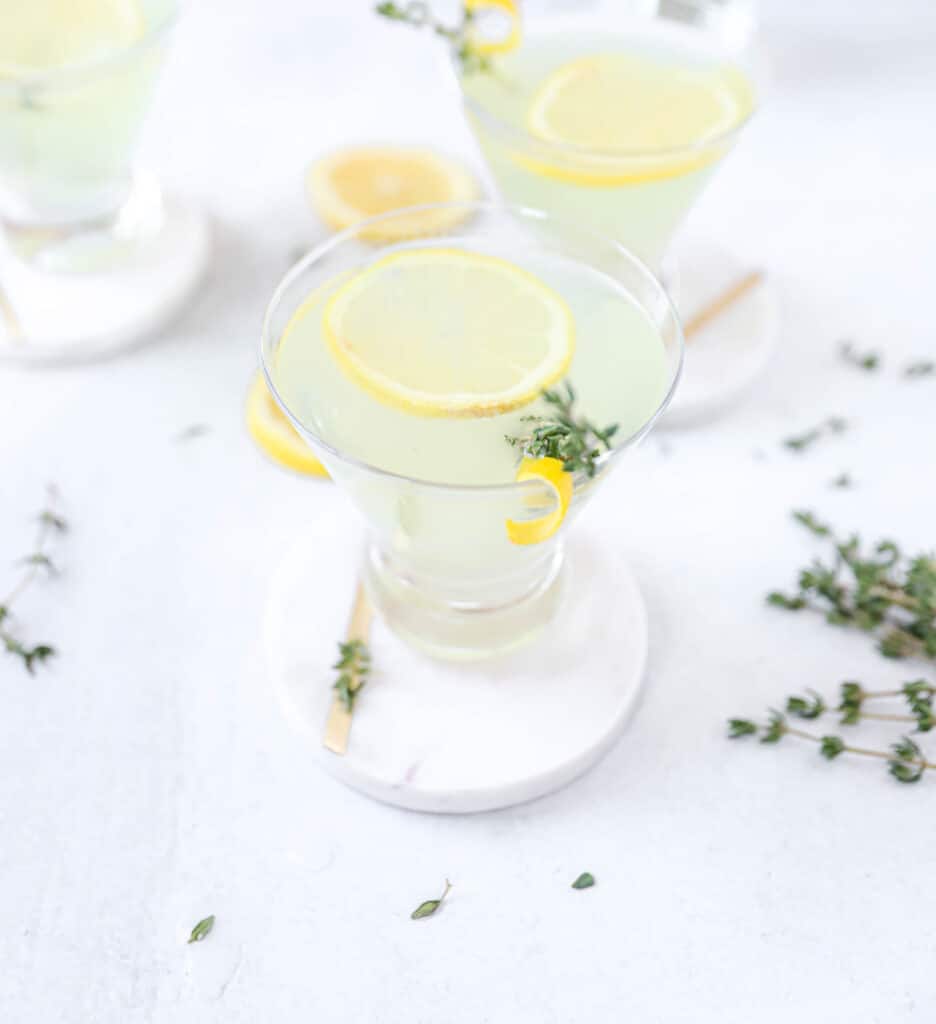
[{"x": 338, "y": 726}]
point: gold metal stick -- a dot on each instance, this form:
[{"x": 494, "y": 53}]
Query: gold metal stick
[
  {"x": 721, "y": 302},
  {"x": 9, "y": 318},
  {"x": 338, "y": 726}
]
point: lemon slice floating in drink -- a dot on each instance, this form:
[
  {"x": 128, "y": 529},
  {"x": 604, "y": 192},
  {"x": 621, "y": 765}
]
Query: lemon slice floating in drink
[
  {"x": 682, "y": 108},
  {"x": 275, "y": 434},
  {"x": 449, "y": 333},
  {"x": 358, "y": 182},
  {"x": 43, "y": 34}
]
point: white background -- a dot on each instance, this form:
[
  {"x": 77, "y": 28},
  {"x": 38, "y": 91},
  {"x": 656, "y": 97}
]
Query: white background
[{"x": 147, "y": 778}]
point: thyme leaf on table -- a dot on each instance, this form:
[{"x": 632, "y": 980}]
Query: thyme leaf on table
[
  {"x": 881, "y": 591},
  {"x": 429, "y": 907},
  {"x": 37, "y": 562}
]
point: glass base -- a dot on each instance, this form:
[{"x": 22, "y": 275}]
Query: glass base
[
  {"x": 463, "y": 630},
  {"x": 85, "y": 290},
  {"x": 455, "y": 737}
]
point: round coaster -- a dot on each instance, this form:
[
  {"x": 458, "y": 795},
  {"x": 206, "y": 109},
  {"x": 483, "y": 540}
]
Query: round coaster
[
  {"x": 48, "y": 314},
  {"x": 725, "y": 357},
  {"x": 451, "y": 737}
]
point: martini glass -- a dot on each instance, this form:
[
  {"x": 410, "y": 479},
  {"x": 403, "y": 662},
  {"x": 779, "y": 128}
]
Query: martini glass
[
  {"x": 93, "y": 256},
  {"x": 435, "y": 494},
  {"x": 639, "y": 196},
  {"x": 642, "y": 193}
]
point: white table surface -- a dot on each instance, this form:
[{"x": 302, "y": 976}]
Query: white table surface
[{"x": 147, "y": 778}]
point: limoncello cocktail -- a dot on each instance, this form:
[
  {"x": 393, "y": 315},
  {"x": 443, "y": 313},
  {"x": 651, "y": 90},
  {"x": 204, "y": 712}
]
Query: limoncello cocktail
[
  {"x": 428, "y": 376},
  {"x": 618, "y": 131},
  {"x": 75, "y": 82}
]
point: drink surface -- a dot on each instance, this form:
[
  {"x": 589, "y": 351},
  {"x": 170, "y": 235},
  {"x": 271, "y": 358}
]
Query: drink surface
[
  {"x": 619, "y": 370},
  {"x": 617, "y": 132}
]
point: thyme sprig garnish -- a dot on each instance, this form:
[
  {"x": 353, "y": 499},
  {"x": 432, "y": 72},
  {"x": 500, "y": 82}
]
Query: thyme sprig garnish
[
  {"x": 862, "y": 360},
  {"x": 37, "y": 562},
  {"x": 419, "y": 15},
  {"x": 884, "y": 593},
  {"x": 906, "y": 762},
  {"x": 829, "y": 427},
  {"x": 353, "y": 665},
  {"x": 563, "y": 435},
  {"x": 429, "y": 907}
]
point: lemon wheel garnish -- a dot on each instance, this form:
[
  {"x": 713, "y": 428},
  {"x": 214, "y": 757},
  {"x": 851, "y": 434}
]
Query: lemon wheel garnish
[
  {"x": 590, "y": 105},
  {"x": 509, "y": 41},
  {"x": 358, "y": 182},
  {"x": 274, "y": 433},
  {"x": 449, "y": 332},
  {"x": 552, "y": 473}
]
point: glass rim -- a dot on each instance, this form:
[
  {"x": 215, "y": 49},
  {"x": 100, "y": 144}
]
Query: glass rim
[
  {"x": 15, "y": 78},
  {"x": 470, "y": 208},
  {"x": 572, "y": 151}
]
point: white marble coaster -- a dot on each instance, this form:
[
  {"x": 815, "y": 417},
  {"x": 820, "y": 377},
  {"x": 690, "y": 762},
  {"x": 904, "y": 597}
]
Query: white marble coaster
[
  {"x": 725, "y": 357},
  {"x": 69, "y": 316},
  {"x": 457, "y": 737}
]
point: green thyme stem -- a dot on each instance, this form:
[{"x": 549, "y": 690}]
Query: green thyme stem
[
  {"x": 37, "y": 561},
  {"x": 861, "y": 751}
]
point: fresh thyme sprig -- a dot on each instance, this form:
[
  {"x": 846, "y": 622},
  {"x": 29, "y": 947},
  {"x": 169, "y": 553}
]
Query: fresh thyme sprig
[
  {"x": 884, "y": 593},
  {"x": 862, "y": 360},
  {"x": 572, "y": 439},
  {"x": 419, "y": 15},
  {"x": 800, "y": 442},
  {"x": 37, "y": 562},
  {"x": 354, "y": 665},
  {"x": 905, "y": 760},
  {"x": 429, "y": 907}
]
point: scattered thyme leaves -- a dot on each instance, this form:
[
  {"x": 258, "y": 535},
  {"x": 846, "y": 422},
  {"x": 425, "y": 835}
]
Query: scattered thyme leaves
[
  {"x": 429, "y": 907},
  {"x": 829, "y": 427},
  {"x": 353, "y": 665},
  {"x": 843, "y": 481},
  {"x": 36, "y": 562},
  {"x": 202, "y": 930},
  {"x": 922, "y": 368},
  {"x": 905, "y": 760},
  {"x": 562, "y": 435},
  {"x": 584, "y": 881},
  {"x": 867, "y": 361},
  {"x": 881, "y": 592}
]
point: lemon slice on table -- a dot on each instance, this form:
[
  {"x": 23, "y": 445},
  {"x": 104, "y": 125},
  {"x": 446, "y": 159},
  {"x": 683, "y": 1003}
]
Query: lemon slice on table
[
  {"x": 552, "y": 473},
  {"x": 358, "y": 182},
  {"x": 643, "y": 110},
  {"x": 43, "y": 34},
  {"x": 449, "y": 332},
  {"x": 275, "y": 434},
  {"x": 485, "y": 10}
]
